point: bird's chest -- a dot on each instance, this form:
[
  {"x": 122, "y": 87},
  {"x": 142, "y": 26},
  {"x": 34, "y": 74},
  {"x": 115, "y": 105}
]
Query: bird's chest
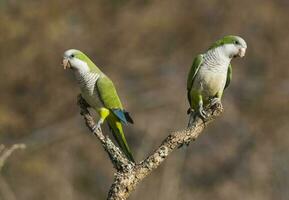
[
  {"x": 88, "y": 88},
  {"x": 210, "y": 82},
  {"x": 92, "y": 99}
]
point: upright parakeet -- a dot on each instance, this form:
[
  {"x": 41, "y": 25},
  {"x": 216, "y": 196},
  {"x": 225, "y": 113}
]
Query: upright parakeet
[
  {"x": 211, "y": 73},
  {"x": 99, "y": 92}
]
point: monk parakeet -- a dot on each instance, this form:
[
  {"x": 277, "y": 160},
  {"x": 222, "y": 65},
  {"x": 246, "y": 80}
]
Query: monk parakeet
[
  {"x": 100, "y": 94},
  {"x": 211, "y": 73}
]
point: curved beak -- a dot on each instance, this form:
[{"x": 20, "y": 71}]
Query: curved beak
[
  {"x": 242, "y": 52},
  {"x": 66, "y": 63}
]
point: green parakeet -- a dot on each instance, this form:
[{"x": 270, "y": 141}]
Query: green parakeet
[
  {"x": 211, "y": 73},
  {"x": 99, "y": 92}
]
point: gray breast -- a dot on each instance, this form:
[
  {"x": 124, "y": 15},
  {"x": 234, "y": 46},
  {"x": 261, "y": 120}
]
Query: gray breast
[
  {"x": 212, "y": 75},
  {"x": 87, "y": 83}
]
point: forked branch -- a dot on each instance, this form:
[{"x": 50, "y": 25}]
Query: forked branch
[{"x": 129, "y": 174}]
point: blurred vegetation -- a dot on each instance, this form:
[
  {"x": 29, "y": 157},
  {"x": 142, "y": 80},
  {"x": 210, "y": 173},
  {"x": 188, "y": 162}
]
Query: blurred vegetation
[{"x": 146, "y": 47}]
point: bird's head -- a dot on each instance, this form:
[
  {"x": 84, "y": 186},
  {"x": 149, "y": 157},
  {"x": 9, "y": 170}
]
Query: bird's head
[
  {"x": 76, "y": 60},
  {"x": 232, "y": 46}
]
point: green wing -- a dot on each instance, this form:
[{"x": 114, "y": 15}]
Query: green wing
[
  {"x": 229, "y": 76},
  {"x": 109, "y": 98},
  {"x": 111, "y": 101},
  {"x": 192, "y": 74},
  {"x": 107, "y": 93}
]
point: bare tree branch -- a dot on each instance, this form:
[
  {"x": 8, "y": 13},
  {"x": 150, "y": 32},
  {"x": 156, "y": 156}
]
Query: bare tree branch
[
  {"x": 6, "y": 152},
  {"x": 129, "y": 174}
]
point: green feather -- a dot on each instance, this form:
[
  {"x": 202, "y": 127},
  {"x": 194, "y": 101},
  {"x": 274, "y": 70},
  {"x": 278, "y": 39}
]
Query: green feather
[
  {"x": 81, "y": 56},
  {"x": 192, "y": 74},
  {"x": 107, "y": 93},
  {"x": 116, "y": 129},
  {"x": 229, "y": 39},
  {"x": 108, "y": 96},
  {"x": 229, "y": 76}
]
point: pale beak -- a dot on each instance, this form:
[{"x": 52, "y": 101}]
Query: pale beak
[
  {"x": 242, "y": 52},
  {"x": 66, "y": 63}
]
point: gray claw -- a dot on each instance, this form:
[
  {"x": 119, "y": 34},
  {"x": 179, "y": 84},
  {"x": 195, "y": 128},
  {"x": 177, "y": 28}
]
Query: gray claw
[
  {"x": 202, "y": 113},
  {"x": 96, "y": 127},
  {"x": 215, "y": 101},
  {"x": 199, "y": 113}
]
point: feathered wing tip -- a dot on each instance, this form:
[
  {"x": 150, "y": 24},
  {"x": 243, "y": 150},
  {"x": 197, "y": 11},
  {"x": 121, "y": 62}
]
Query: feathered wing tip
[
  {"x": 128, "y": 117},
  {"x": 123, "y": 116},
  {"x": 122, "y": 143},
  {"x": 118, "y": 134},
  {"x": 129, "y": 155}
]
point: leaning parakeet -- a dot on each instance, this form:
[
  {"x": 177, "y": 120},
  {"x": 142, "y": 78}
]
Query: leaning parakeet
[
  {"x": 99, "y": 92},
  {"x": 211, "y": 73}
]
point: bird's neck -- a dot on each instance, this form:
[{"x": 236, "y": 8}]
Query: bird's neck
[{"x": 216, "y": 60}]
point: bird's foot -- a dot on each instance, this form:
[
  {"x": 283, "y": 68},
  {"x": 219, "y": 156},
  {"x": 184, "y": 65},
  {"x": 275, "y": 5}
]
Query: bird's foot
[
  {"x": 215, "y": 104},
  {"x": 215, "y": 101},
  {"x": 201, "y": 112},
  {"x": 194, "y": 114},
  {"x": 97, "y": 127},
  {"x": 198, "y": 114}
]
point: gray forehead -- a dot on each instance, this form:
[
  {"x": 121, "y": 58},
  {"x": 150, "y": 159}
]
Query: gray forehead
[
  {"x": 69, "y": 52},
  {"x": 242, "y": 41}
]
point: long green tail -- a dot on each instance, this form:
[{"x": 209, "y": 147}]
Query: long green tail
[{"x": 116, "y": 129}]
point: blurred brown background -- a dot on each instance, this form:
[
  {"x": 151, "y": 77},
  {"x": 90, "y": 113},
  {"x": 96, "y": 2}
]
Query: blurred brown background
[{"x": 146, "y": 47}]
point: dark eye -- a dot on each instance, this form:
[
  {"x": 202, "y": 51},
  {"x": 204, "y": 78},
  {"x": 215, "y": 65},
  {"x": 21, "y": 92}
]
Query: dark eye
[
  {"x": 237, "y": 42},
  {"x": 72, "y": 55}
]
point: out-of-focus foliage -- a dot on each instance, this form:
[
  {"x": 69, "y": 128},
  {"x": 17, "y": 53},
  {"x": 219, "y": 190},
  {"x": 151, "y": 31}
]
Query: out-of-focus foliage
[{"x": 146, "y": 47}]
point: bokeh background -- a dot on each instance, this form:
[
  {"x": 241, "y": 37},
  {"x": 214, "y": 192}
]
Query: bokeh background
[{"x": 146, "y": 47}]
